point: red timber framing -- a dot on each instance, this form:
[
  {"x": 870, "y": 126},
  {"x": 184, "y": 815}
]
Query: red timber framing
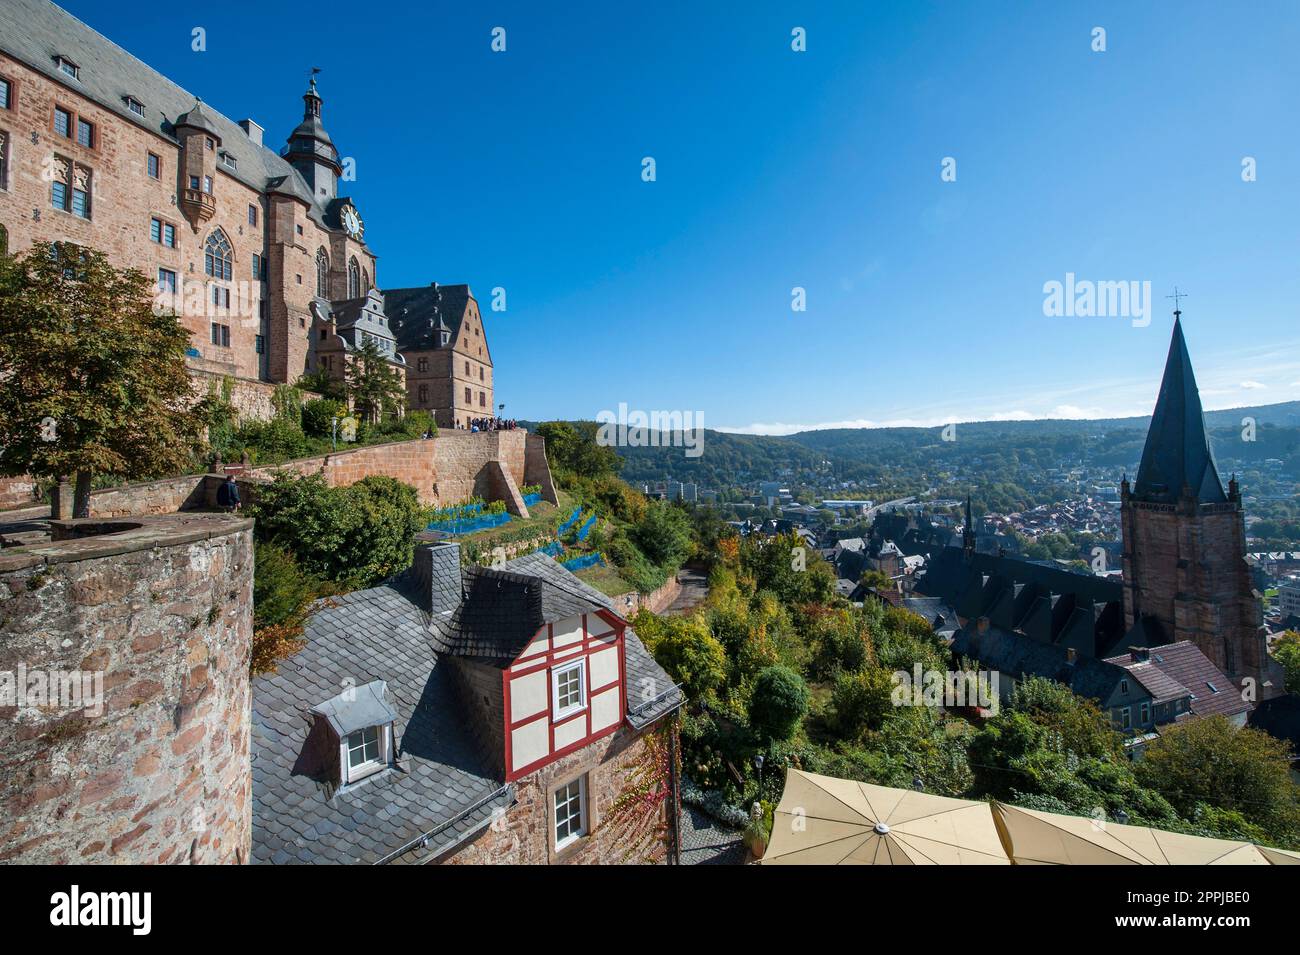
[{"x": 527, "y": 664}]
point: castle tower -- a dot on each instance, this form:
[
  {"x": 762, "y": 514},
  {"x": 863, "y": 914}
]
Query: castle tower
[
  {"x": 311, "y": 151},
  {"x": 1185, "y": 577}
]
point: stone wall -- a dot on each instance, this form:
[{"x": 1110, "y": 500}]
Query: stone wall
[
  {"x": 251, "y": 399},
  {"x": 656, "y": 601},
  {"x": 525, "y": 834},
  {"x": 160, "y": 772},
  {"x": 17, "y": 491}
]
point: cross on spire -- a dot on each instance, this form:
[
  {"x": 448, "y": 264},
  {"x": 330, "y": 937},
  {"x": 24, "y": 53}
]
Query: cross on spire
[{"x": 1176, "y": 296}]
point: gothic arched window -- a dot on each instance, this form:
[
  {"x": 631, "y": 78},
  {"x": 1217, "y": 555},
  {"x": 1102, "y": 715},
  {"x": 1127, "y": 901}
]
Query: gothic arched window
[
  {"x": 218, "y": 257},
  {"x": 365, "y": 281},
  {"x": 354, "y": 279},
  {"x": 322, "y": 274}
]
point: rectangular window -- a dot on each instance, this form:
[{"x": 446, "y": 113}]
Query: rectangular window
[
  {"x": 1123, "y": 686},
  {"x": 4, "y": 159},
  {"x": 260, "y": 344},
  {"x": 207, "y": 184},
  {"x": 166, "y": 280},
  {"x": 86, "y": 133},
  {"x": 468, "y": 399},
  {"x": 6, "y": 91},
  {"x": 365, "y": 752},
  {"x": 252, "y": 215},
  {"x": 135, "y": 106},
  {"x": 1125, "y": 718},
  {"x": 570, "y": 812},
  {"x": 68, "y": 67},
  {"x": 220, "y": 296},
  {"x": 194, "y": 182},
  {"x": 424, "y": 394},
  {"x": 210, "y": 143},
  {"x": 482, "y": 400},
  {"x": 221, "y": 335},
  {"x": 164, "y": 233},
  {"x": 257, "y": 267},
  {"x": 59, "y": 195},
  {"x": 423, "y": 364},
  {"x": 1146, "y": 713},
  {"x": 62, "y": 122},
  {"x": 155, "y": 167},
  {"x": 569, "y": 686}
]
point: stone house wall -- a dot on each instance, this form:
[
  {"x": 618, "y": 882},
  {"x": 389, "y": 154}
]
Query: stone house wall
[
  {"x": 159, "y": 774},
  {"x": 524, "y": 835}
]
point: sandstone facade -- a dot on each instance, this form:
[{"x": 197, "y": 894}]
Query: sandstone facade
[{"x": 161, "y": 612}]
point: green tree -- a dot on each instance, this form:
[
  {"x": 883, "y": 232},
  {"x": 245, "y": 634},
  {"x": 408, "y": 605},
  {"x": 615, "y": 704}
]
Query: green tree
[
  {"x": 779, "y": 703},
  {"x": 684, "y": 647},
  {"x": 1208, "y": 762},
  {"x": 860, "y": 701},
  {"x": 94, "y": 376},
  {"x": 373, "y": 386},
  {"x": 1286, "y": 650},
  {"x": 664, "y": 534}
]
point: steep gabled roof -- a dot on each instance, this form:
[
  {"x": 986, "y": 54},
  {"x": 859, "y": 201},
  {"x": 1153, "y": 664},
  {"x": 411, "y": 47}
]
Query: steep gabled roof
[
  {"x": 1177, "y": 451},
  {"x": 413, "y": 313}
]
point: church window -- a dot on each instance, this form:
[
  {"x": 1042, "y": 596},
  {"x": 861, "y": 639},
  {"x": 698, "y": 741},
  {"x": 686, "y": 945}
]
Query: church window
[
  {"x": 365, "y": 281},
  {"x": 218, "y": 258},
  {"x": 322, "y": 273},
  {"x": 354, "y": 279},
  {"x": 422, "y": 364}
]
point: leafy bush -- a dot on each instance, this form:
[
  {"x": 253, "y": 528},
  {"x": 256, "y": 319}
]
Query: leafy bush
[
  {"x": 355, "y": 535},
  {"x": 684, "y": 648},
  {"x": 282, "y": 594},
  {"x": 860, "y": 701},
  {"x": 778, "y": 704},
  {"x": 318, "y": 416},
  {"x": 272, "y": 441}
]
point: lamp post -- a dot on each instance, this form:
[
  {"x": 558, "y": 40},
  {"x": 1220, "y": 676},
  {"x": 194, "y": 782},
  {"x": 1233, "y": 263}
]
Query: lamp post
[{"x": 758, "y": 764}]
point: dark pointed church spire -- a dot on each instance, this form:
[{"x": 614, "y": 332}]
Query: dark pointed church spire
[
  {"x": 1177, "y": 452},
  {"x": 968, "y": 532}
]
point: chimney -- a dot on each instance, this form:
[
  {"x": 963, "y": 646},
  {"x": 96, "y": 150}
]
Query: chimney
[
  {"x": 252, "y": 129},
  {"x": 1140, "y": 654},
  {"x": 436, "y": 575}
]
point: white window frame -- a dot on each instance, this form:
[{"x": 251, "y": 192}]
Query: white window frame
[
  {"x": 575, "y": 834},
  {"x": 354, "y": 774},
  {"x": 560, "y": 712}
]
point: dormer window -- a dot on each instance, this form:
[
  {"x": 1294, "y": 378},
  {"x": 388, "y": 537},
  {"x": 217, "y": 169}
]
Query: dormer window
[
  {"x": 67, "y": 67},
  {"x": 360, "y": 722},
  {"x": 228, "y": 161},
  {"x": 135, "y": 106}
]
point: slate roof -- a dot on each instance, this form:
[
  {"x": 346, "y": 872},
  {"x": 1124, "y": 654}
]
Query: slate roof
[
  {"x": 413, "y": 313},
  {"x": 442, "y": 784},
  {"x": 441, "y": 779},
  {"x": 1184, "y": 664},
  {"x": 1018, "y": 656},
  {"x": 36, "y": 31},
  {"x": 1177, "y": 450}
]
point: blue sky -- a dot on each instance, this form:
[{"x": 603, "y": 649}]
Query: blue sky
[{"x": 819, "y": 169}]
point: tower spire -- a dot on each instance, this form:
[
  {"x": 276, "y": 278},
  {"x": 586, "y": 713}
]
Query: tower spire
[{"x": 1177, "y": 452}]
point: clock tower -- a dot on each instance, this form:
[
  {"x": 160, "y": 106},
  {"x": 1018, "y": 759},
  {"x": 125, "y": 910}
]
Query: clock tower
[{"x": 311, "y": 151}]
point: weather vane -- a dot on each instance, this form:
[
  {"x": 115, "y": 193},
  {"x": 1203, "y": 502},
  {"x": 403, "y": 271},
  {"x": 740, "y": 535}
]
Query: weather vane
[{"x": 1176, "y": 296}]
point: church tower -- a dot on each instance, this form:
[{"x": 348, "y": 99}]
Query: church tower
[
  {"x": 1185, "y": 576},
  {"x": 311, "y": 151}
]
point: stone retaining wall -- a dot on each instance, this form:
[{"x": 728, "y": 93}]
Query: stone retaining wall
[{"x": 157, "y": 769}]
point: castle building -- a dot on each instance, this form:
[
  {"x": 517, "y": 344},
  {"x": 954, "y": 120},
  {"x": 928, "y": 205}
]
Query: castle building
[
  {"x": 249, "y": 245},
  {"x": 1185, "y": 573},
  {"x": 443, "y": 343}
]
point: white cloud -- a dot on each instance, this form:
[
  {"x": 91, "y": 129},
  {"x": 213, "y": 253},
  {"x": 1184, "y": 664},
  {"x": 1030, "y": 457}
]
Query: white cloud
[{"x": 1252, "y": 385}]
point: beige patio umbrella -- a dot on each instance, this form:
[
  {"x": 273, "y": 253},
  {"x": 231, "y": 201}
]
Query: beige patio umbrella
[
  {"x": 827, "y": 821},
  {"x": 1279, "y": 856},
  {"x": 1046, "y": 838}
]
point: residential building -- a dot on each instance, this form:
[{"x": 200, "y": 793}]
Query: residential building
[{"x": 468, "y": 715}]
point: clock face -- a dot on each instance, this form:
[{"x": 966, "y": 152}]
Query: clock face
[{"x": 352, "y": 222}]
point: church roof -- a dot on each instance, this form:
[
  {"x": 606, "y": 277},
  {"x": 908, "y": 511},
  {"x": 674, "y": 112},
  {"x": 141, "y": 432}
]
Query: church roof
[{"x": 1177, "y": 450}]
